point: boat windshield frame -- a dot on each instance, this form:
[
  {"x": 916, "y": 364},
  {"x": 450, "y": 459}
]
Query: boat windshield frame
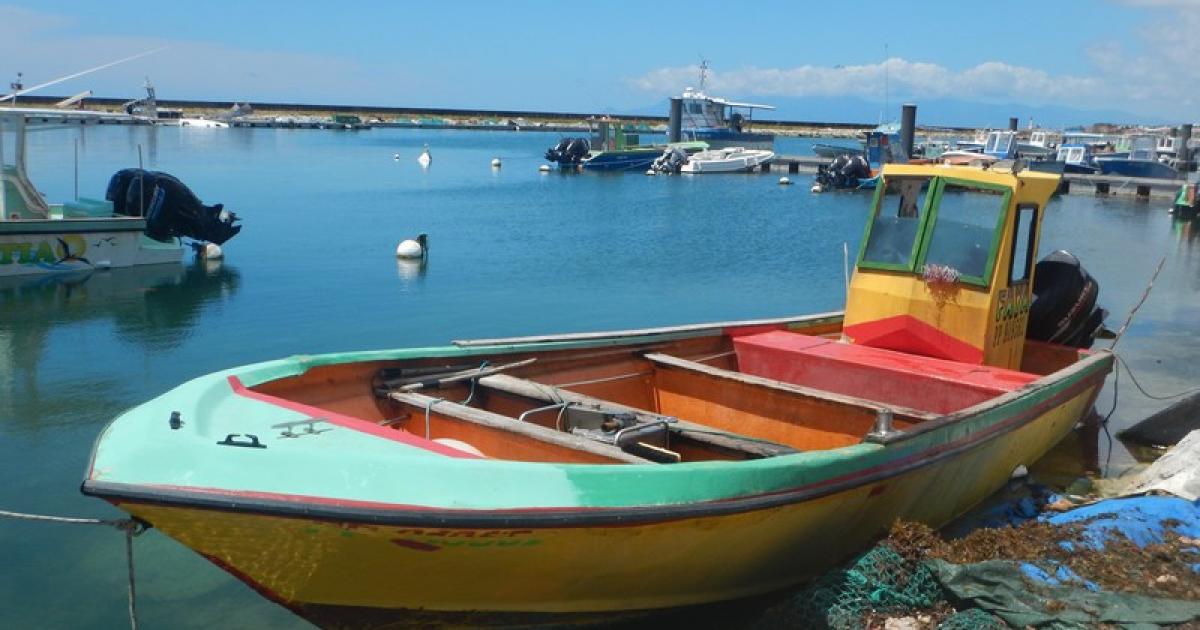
[{"x": 927, "y": 216}]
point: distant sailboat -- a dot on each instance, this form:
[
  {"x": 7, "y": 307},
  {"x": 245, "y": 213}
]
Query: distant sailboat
[{"x": 425, "y": 159}]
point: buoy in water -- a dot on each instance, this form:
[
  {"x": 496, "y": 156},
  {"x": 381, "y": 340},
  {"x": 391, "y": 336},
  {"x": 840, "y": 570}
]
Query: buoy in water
[
  {"x": 413, "y": 248},
  {"x": 545, "y": 168},
  {"x": 425, "y": 159},
  {"x": 495, "y": 162},
  {"x": 208, "y": 251},
  {"x": 783, "y": 181},
  {"x": 396, "y": 156},
  {"x": 817, "y": 188},
  {"x": 651, "y": 171}
]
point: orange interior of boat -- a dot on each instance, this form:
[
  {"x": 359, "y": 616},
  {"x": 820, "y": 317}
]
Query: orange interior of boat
[{"x": 751, "y": 394}]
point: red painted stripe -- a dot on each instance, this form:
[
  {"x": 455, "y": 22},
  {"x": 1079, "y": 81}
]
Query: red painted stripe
[
  {"x": 350, "y": 422},
  {"x": 906, "y": 333}
]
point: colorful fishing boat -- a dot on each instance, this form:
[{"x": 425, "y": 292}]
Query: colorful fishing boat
[{"x": 582, "y": 474}]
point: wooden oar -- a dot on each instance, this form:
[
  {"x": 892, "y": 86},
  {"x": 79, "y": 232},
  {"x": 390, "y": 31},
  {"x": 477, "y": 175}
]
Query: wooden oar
[{"x": 449, "y": 378}]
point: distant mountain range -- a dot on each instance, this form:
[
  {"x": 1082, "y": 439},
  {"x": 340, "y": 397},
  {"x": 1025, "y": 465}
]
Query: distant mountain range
[{"x": 933, "y": 112}]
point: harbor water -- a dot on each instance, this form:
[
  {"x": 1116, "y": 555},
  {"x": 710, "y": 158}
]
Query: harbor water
[{"x": 512, "y": 251}]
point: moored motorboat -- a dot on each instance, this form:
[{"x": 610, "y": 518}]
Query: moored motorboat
[
  {"x": 647, "y": 469},
  {"x": 727, "y": 160},
  {"x": 139, "y": 222},
  {"x": 1141, "y": 161},
  {"x": 612, "y": 146}
]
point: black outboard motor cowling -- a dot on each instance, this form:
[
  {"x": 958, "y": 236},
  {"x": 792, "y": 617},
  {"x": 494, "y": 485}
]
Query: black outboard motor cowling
[
  {"x": 569, "y": 151},
  {"x": 1064, "y": 309},
  {"x": 845, "y": 171},
  {"x": 170, "y": 207}
]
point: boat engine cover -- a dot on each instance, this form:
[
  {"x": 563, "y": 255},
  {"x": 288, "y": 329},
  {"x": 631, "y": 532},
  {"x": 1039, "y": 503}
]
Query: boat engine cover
[
  {"x": 170, "y": 207},
  {"x": 1064, "y": 308}
]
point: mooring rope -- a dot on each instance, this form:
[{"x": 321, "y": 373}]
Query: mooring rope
[{"x": 129, "y": 526}]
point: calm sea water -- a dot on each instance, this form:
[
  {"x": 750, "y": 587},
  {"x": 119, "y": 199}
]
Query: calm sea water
[{"x": 512, "y": 251}]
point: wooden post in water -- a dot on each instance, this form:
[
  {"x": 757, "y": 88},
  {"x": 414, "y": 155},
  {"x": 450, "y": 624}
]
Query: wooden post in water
[
  {"x": 1183, "y": 156},
  {"x": 1012, "y": 123},
  {"x": 675, "y": 121}
]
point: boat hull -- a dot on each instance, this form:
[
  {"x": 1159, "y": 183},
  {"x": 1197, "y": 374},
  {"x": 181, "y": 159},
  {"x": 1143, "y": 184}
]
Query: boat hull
[
  {"x": 635, "y": 160},
  {"x": 321, "y": 555},
  {"x": 1135, "y": 168},
  {"x": 30, "y": 247}
]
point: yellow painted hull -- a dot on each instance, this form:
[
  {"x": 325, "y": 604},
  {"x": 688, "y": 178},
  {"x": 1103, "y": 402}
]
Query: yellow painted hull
[{"x": 300, "y": 562}]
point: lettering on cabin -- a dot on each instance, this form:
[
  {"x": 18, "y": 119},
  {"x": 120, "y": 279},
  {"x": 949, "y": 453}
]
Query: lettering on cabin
[{"x": 1012, "y": 312}]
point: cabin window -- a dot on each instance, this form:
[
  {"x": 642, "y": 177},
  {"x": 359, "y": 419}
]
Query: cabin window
[
  {"x": 892, "y": 235},
  {"x": 1022, "y": 253},
  {"x": 695, "y": 108},
  {"x": 965, "y": 230}
]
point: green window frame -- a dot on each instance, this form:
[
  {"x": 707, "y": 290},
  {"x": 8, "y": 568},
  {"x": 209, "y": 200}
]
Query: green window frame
[
  {"x": 928, "y": 217},
  {"x": 873, "y": 213}
]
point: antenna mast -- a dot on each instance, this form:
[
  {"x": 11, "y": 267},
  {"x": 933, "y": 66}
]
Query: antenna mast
[
  {"x": 17, "y": 86},
  {"x": 886, "y": 104},
  {"x": 703, "y": 73}
]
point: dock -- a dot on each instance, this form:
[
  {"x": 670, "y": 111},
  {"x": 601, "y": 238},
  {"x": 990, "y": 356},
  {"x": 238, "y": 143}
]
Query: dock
[{"x": 1072, "y": 183}]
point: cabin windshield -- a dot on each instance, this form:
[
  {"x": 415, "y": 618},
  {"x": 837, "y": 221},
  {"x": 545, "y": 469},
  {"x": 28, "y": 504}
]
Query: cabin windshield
[
  {"x": 998, "y": 142},
  {"x": 965, "y": 227},
  {"x": 958, "y": 228},
  {"x": 899, "y": 210}
]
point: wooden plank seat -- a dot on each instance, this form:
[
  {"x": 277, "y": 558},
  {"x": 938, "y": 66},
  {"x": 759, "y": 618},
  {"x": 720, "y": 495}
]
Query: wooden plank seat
[
  {"x": 709, "y": 435},
  {"x": 500, "y": 423},
  {"x": 887, "y": 376},
  {"x": 802, "y": 417}
]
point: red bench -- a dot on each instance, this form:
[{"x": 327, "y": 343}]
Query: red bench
[{"x": 885, "y": 376}]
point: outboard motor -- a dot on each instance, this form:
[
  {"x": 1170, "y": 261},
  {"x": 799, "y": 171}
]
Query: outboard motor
[
  {"x": 170, "y": 207},
  {"x": 845, "y": 171},
  {"x": 671, "y": 161},
  {"x": 1064, "y": 309},
  {"x": 569, "y": 151}
]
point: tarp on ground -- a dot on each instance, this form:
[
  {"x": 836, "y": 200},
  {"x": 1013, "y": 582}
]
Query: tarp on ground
[{"x": 1002, "y": 588}]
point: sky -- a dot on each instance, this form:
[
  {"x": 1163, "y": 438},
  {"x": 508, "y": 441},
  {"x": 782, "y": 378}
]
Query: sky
[{"x": 1090, "y": 60}]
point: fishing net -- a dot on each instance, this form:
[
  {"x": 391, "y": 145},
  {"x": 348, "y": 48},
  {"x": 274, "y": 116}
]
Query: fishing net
[
  {"x": 972, "y": 619},
  {"x": 879, "y": 581}
]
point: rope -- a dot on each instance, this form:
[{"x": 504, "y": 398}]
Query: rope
[
  {"x": 1121, "y": 362},
  {"x": 131, "y": 527},
  {"x": 1140, "y": 302}
]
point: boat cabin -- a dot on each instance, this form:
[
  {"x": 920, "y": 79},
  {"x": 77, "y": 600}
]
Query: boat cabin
[
  {"x": 700, "y": 111},
  {"x": 1077, "y": 154},
  {"x": 946, "y": 264},
  {"x": 1001, "y": 144}
]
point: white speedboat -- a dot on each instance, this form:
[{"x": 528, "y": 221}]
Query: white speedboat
[
  {"x": 727, "y": 160},
  {"x": 141, "y": 220}
]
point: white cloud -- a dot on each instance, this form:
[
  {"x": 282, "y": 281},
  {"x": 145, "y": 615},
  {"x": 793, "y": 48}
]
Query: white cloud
[
  {"x": 992, "y": 80},
  {"x": 1159, "y": 76}
]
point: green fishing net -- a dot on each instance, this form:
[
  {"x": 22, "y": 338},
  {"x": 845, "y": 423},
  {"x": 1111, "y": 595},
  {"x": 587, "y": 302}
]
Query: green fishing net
[
  {"x": 972, "y": 619},
  {"x": 879, "y": 581}
]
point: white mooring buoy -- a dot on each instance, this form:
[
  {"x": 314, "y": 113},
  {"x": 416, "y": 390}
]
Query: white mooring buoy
[
  {"x": 651, "y": 171},
  {"x": 396, "y": 156},
  {"x": 545, "y": 168},
  {"x": 495, "y": 162},
  {"x": 783, "y": 181},
  {"x": 425, "y": 159},
  {"x": 413, "y": 248},
  {"x": 817, "y": 188}
]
